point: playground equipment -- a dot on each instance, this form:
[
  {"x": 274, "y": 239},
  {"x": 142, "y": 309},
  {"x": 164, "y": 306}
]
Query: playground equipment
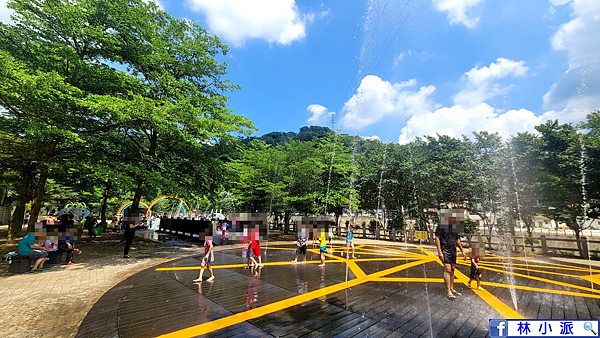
[
  {"x": 184, "y": 206},
  {"x": 78, "y": 209}
]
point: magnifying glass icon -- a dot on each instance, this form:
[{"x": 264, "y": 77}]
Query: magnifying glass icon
[{"x": 588, "y": 327}]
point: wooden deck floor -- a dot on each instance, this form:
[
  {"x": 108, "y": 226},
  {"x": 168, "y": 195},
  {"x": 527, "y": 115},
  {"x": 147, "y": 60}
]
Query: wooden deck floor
[{"x": 388, "y": 291}]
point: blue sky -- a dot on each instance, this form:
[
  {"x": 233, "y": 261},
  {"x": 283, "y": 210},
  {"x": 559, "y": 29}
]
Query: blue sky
[{"x": 406, "y": 68}]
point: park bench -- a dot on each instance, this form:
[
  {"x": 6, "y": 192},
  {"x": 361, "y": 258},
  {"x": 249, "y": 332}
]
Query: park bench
[{"x": 19, "y": 264}]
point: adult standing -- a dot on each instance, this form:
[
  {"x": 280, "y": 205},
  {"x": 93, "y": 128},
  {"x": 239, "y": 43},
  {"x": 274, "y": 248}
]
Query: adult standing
[
  {"x": 446, "y": 241},
  {"x": 129, "y": 235},
  {"x": 89, "y": 224}
]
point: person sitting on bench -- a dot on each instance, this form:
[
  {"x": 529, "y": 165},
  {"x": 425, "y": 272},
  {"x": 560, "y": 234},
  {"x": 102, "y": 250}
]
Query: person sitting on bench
[
  {"x": 66, "y": 242},
  {"x": 27, "y": 247}
]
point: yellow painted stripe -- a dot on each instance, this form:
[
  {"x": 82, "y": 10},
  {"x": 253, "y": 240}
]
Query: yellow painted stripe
[
  {"x": 409, "y": 279},
  {"x": 545, "y": 280},
  {"x": 559, "y": 292},
  {"x": 379, "y": 250},
  {"x": 242, "y": 265},
  {"x": 524, "y": 269},
  {"x": 280, "y": 305},
  {"x": 540, "y": 266},
  {"x": 356, "y": 270},
  {"x": 505, "y": 310}
]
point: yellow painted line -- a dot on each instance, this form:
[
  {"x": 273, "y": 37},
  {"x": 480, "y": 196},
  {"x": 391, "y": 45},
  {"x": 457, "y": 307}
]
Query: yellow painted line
[
  {"x": 243, "y": 265},
  {"x": 318, "y": 252},
  {"x": 397, "y": 268},
  {"x": 338, "y": 260},
  {"x": 505, "y": 310},
  {"x": 382, "y": 251},
  {"x": 409, "y": 279},
  {"x": 356, "y": 270},
  {"x": 260, "y": 311},
  {"x": 483, "y": 266},
  {"x": 589, "y": 278},
  {"x": 387, "y": 259},
  {"x": 395, "y": 248},
  {"x": 280, "y": 305},
  {"x": 383, "y": 254},
  {"x": 572, "y": 268},
  {"x": 559, "y": 292},
  {"x": 545, "y": 280}
]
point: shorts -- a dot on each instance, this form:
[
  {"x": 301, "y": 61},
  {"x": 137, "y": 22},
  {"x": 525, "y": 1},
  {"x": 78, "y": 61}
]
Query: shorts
[
  {"x": 249, "y": 253},
  {"x": 475, "y": 272},
  {"x": 36, "y": 254},
  {"x": 301, "y": 250},
  {"x": 322, "y": 248},
  {"x": 449, "y": 256},
  {"x": 210, "y": 259}
]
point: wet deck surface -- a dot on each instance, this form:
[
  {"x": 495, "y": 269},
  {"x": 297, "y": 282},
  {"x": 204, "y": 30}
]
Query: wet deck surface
[{"x": 389, "y": 291}]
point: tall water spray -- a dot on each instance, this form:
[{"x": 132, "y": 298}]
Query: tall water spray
[
  {"x": 516, "y": 187},
  {"x": 582, "y": 159}
]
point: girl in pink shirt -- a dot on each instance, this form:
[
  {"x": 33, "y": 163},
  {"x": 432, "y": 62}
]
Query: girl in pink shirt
[{"x": 207, "y": 260}]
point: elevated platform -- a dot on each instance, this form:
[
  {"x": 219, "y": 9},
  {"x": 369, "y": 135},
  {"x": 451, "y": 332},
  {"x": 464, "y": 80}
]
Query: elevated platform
[{"x": 388, "y": 291}]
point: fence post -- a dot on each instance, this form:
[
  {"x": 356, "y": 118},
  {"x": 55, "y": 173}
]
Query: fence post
[
  {"x": 544, "y": 244},
  {"x": 584, "y": 246}
]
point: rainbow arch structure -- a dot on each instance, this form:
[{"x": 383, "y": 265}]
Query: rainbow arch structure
[
  {"x": 127, "y": 205},
  {"x": 186, "y": 205}
]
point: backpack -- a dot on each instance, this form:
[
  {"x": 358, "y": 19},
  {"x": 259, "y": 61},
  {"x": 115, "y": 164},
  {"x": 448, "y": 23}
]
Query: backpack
[{"x": 9, "y": 256}]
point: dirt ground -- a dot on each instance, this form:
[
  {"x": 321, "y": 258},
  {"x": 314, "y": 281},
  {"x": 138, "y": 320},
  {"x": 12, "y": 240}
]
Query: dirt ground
[{"x": 105, "y": 245}]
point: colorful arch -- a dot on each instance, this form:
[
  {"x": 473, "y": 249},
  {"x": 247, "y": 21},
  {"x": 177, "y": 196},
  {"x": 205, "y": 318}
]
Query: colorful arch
[
  {"x": 186, "y": 205},
  {"x": 127, "y": 205}
]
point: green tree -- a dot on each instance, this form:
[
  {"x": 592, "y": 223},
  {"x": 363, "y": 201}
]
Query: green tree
[{"x": 560, "y": 156}]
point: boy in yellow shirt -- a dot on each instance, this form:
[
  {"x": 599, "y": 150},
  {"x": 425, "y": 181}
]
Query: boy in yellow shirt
[{"x": 322, "y": 247}]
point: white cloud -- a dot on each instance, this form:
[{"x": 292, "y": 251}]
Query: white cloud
[
  {"x": 276, "y": 21},
  {"x": 372, "y": 138},
  {"x": 577, "y": 92},
  {"x": 457, "y": 120},
  {"x": 480, "y": 82},
  {"x": 157, "y": 2},
  {"x": 375, "y": 99},
  {"x": 5, "y": 12},
  {"x": 459, "y": 11},
  {"x": 398, "y": 58},
  {"x": 319, "y": 114}
]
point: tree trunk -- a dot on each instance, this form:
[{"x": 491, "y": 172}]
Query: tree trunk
[
  {"x": 104, "y": 201},
  {"x": 572, "y": 223},
  {"x": 40, "y": 194},
  {"x": 137, "y": 197},
  {"x": 16, "y": 221},
  {"x": 286, "y": 222}
]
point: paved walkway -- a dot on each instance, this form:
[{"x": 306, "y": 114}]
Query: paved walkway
[
  {"x": 390, "y": 290},
  {"x": 53, "y": 303}
]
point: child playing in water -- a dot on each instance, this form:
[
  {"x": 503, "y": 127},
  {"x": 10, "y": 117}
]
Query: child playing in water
[
  {"x": 256, "y": 252},
  {"x": 302, "y": 241},
  {"x": 207, "y": 260},
  {"x": 249, "y": 254},
  {"x": 349, "y": 242},
  {"x": 322, "y": 247},
  {"x": 475, "y": 270}
]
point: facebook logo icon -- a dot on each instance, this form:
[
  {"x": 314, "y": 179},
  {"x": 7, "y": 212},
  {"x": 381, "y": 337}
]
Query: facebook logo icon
[{"x": 498, "y": 328}]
